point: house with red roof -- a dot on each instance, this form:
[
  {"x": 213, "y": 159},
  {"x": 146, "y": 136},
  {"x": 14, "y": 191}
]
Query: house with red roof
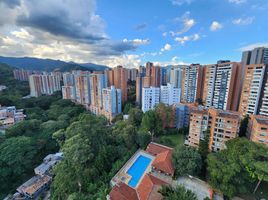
[{"x": 151, "y": 167}]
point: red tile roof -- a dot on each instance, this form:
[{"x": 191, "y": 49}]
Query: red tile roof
[
  {"x": 163, "y": 160},
  {"x": 123, "y": 192},
  {"x": 149, "y": 187}
]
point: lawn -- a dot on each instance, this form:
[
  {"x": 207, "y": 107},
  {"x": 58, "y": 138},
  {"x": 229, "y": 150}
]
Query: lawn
[{"x": 171, "y": 140}]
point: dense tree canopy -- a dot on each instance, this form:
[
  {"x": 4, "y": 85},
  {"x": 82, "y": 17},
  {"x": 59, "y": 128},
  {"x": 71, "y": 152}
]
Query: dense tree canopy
[
  {"x": 187, "y": 161},
  {"x": 151, "y": 123},
  {"x": 177, "y": 193},
  {"x": 25, "y": 144},
  {"x": 235, "y": 169}
]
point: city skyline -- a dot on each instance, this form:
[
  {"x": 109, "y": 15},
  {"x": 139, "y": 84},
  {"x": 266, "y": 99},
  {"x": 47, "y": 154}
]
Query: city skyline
[{"x": 132, "y": 33}]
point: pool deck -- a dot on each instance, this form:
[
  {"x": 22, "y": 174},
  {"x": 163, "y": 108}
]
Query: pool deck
[{"x": 122, "y": 173}]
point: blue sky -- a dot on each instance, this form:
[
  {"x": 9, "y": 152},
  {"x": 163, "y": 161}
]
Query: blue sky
[
  {"x": 130, "y": 33},
  {"x": 243, "y": 23}
]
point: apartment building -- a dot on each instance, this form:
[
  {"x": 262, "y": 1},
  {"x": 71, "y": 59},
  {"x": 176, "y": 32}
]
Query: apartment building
[
  {"x": 112, "y": 103},
  {"x": 68, "y": 79},
  {"x": 23, "y": 75},
  {"x": 35, "y": 83},
  {"x": 169, "y": 94},
  {"x": 82, "y": 89},
  {"x": 44, "y": 84},
  {"x": 257, "y": 130},
  {"x": 198, "y": 126},
  {"x": 118, "y": 77},
  {"x": 110, "y": 77},
  {"x": 153, "y": 75},
  {"x": 68, "y": 92},
  {"x": 132, "y": 74},
  {"x": 221, "y": 85},
  {"x": 139, "y": 86},
  {"x": 97, "y": 83},
  {"x": 50, "y": 84},
  {"x": 258, "y": 55},
  {"x": 222, "y": 126},
  {"x": 150, "y": 98},
  {"x": 254, "y": 91},
  {"x": 191, "y": 83},
  {"x": 176, "y": 77},
  {"x": 183, "y": 111},
  {"x": 209, "y": 85}
]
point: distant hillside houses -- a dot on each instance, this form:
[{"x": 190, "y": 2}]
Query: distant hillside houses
[
  {"x": 38, "y": 186},
  {"x": 10, "y": 116}
]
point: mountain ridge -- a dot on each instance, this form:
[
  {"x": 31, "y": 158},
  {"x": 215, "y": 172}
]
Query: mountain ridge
[{"x": 46, "y": 64}]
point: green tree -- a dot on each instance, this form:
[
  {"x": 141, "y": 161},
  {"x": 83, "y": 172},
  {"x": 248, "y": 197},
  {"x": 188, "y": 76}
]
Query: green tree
[
  {"x": 17, "y": 160},
  {"x": 177, "y": 193},
  {"x": 187, "y": 161},
  {"x": 151, "y": 123},
  {"x": 235, "y": 169},
  {"x": 243, "y": 126},
  {"x": 127, "y": 107},
  {"x": 204, "y": 144},
  {"x": 166, "y": 115},
  {"x": 135, "y": 116}
]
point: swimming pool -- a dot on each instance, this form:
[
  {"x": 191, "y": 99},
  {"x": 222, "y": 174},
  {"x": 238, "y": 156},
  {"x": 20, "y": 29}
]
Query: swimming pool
[{"x": 137, "y": 170}]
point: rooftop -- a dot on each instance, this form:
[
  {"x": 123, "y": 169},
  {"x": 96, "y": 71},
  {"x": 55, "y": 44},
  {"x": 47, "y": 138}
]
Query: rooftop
[
  {"x": 150, "y": 183},
  {"x": 163, "y": 155},
  {"x": 31, "y": 186}
]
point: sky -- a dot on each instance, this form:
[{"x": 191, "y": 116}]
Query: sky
[{"x": 132, "y": 32}]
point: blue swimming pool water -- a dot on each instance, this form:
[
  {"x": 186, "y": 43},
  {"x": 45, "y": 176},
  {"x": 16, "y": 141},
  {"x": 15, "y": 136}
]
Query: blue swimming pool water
[{"x": 137, "y": 169}]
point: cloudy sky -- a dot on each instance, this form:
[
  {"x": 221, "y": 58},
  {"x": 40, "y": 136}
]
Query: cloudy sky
[{"x": 131, "y": 32}]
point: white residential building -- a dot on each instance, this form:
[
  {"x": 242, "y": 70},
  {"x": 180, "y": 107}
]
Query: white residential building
[
  {"x": 112, "y": 102},
  {"x": 150, "y": 98},
  {"x": 176, "y": 77},
  {"x": 169, "y": 94}
]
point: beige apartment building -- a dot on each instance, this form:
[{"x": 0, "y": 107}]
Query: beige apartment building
[
  {"x": 223, "y": 126},
  {"x": 258, "y": 129},
  {"x": 254, "y": 97}
]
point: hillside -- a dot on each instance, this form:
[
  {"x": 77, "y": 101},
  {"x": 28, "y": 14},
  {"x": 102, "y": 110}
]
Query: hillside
[{"x": 48, "y": 64}]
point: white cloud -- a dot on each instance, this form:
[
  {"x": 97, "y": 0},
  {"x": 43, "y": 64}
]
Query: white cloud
[
  {"x": 126, "y": 60},
  {"x": 164, "y": 34},
  {"x": 22, "y": 34},
  {"x": 243, "y": 21},
  {"x": 215, "y": 26},
  {"x": 196, "y": 37},
  {"x": 184, "y": 39},
  {"x": 137, "y": 41},
  {"x": 254, "y": 45},
  {"x": 237, "y": 1},
  {"x": 187, "y": 24},
  {"x": 45, "y": 29},
  {"x": 167, "y": 47},
  {"x": 171, "y": 62},
  {"x": 180, "y": 2}
]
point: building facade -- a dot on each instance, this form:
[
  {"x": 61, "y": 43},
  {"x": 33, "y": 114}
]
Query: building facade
[
  {"x": 257, "y": 130},
  {"x": 221, "y": 85},
  {"x": 254, "y": 91},
  {"x": 97, "y": 83},
  {"x": 112, "y": 103},
  {"x": 192, "y": 83},
  {"x": 219, "y": 124},
  {"x": 169, "y": 94},
  {"x": 150, "y": 98}
]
